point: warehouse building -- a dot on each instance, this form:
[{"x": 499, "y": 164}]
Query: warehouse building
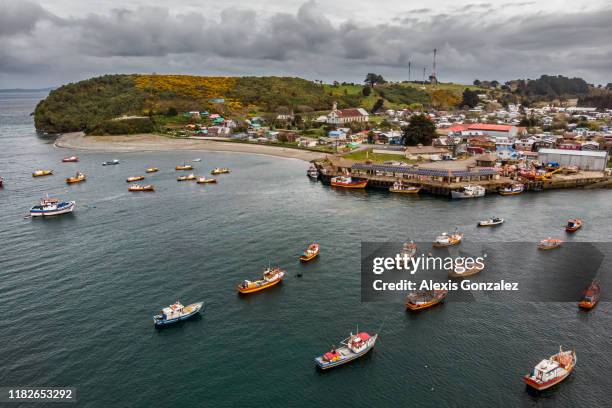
[{"x": 584, "y": 159}]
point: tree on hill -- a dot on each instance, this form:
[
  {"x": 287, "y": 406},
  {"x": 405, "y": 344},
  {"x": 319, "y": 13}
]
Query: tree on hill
[
  {"x": 477, "y": 82},
  {"x": 378, "y": 105},
  {"x": 420, "y": 130},
  {"x": 366, "y": 91},
  {"x": 373, "y": 79},
  {"x": 494, "y": 83},
  {"x": 470, "y": 98}
]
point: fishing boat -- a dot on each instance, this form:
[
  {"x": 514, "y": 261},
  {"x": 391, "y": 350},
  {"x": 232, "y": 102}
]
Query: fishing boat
[
  {"x": 220, "y": 170},
  {"x": 462, "y": 270},
  {"x": 204, "y": 180},
  {"x": 52, "y": 206},
  {"x": 186, "y": 178},
  {"x": 152, "y": 170},
  {"x": 549, "y": 243},
  {"x": 348, "y": 182},
  {"x": 424, "y": 299},
  {"x": 468, "y": 191},
  {"x": 552, "y": 371},
  {"x": 41, "y": 173},
  {"x": 310, "y": 253},
  {"x": 140, "y": 187},
  {"x": 446, "y": 239},
  {"x": 176, "y": 312},
  {"x": 590, "y": 296},
  {"x": 71, "y": 159},
  {"x": 409, "y": 249},
  {"x": 270, "y": 277},
  {"x": 573, "y": 225},
  {"x": 353, "y": 347},
  {"x": 184, "y": 167},
  {"x": 399, "y": 187},
  {"x": 491, "y": 222},
  {"x": 312, "y": 172},
  {"x": 134, "y": 178},
  {"x": 197, "y": 160},
  {"x": 110, "y": 163},
  {"x": 513, "y": 189},
  {"x": 78, "y": 177}
]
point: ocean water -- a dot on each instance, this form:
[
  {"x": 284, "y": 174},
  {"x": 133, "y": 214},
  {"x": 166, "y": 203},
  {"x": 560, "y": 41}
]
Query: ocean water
[{"x": 77, "y": 293}]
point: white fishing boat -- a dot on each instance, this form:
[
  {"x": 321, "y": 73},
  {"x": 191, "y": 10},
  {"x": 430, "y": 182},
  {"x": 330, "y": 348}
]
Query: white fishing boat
[
  {"x": 399, "y": 187},
  {"x": 446, "y": 239},
  {"x": 409, "y": 249},
  {"x": 176, "y": 312},
  {"x": 312, "y": 172},
  {"x": 52, "y": 206},
  {"x": 491, "y": 222},
  {"x": 110, "y": 163},
  {"x": 552, "y": 371},
  {"x": 355, "y": 346},
  {"x": 468, "y": 191},
  {"x": 513, "y": 189}
]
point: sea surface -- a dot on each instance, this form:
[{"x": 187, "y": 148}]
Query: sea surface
[{"x": 77, "y": 293}]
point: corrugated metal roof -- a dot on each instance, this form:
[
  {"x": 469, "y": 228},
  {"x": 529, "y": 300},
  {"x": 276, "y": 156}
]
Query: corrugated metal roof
[
  {"x": 566, "y": 152},
  {"x": 425, "y": 172}
]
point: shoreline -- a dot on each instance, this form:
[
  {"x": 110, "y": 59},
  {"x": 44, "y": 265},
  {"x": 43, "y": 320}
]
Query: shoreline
[{"x": 152, "y": 142}]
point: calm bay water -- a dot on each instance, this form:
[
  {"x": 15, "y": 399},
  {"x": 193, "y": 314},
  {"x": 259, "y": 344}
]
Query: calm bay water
[{"x": 77, "y": 293}]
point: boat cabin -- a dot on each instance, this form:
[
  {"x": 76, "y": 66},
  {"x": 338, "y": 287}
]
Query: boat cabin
[
  {"x": 172, "y": 311},
  {"x": 547, "y": 370}
]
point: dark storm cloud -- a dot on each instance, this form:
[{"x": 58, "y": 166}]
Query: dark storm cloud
[{"x": 475, "y": 42}]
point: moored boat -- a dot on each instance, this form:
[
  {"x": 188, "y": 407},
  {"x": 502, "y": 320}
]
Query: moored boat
[
  {"x": 468, "y": 191},
  {"x": 462, "y": 269},
  {"x": 348, "y": 182},
  {"x": 184, "y": 167},
  {"x": 424, "y": 299},
  {"x": 176, "y": 312},
  {"x": 513, "y": 189},
  {"x": 71, "y": 159},
  {"x": 110, "y": 163},
  {"x": 204, "y": 180},
  {"x": 409, "y": 249},
  {"x": 399, "y": 187},
  {"x": 197, "y": 160},
  {"x": 140, "y": 187},
  {"x": 573, "y": 225},
  {"x": 312, "y": 172},
  {"x": 446, "y": 239},
  {"x": 134, "y": 178},
  {"x": 152, "y": 170},
  {"x": 310, "y": 253},
  {"x": 590, "y": 296},
  {"x": 78, "y": 177},
  {"x": 1, "y": 182},
  {"x": 189, "y": 177},
  {"x": 549, "y": 243},
  {"x": 41, "y": 173},
  {"x": 270, "y": 277},
  {"x": 491, "y": 222},
  {"x": 355, "y": 346},
  {"x": 552, "y": 371},
  {"x": 52, "y": 206},
  {"x": 220, "y": 170}
]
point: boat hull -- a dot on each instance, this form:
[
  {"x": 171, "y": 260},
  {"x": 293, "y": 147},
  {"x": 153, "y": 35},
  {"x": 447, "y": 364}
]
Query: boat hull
[
  {"x": 509, "y": 193},
  {"x": 470, "y": 272},
  {"x": 245, "y": 291},
  {"x": 162, "y": 323},
  {"x": 358, "y": 184},
  {"x": 75, "y": 180},
  {"x": 322, "y": 365},
  {"x": 309, "y": 258},
  {"x": 51, "y": 213},
  {"x": 492, "y": 224},
  {"x": 401, "y": 191},
  {"x": 545, "y": 385},
  {"x": 587, "y": 305}
]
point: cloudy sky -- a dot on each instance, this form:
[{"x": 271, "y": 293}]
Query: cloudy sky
[{"x": 47, "y": 43}]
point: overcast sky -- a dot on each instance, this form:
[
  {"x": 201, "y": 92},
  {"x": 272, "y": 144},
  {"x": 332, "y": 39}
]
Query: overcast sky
[{"x": 48, "y": 43}]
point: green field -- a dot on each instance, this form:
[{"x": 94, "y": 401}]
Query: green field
[{"x": 362, "y": 155}]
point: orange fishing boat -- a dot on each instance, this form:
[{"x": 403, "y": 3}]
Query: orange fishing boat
[
  {"x": 134, "y": 178},
  {"x": 310, "y": 253},
  {"x": 424, "y": 299},
  {"x": 79, "y": 177},
  {"x": 152, "y": 170},
  {"x": 41, "y": 173},
  {"x": 139, "y": 187},
  {"x": 549, "y": 243},
  {"x": 348, "y": 182},
  {"x": 270, "y": 277},
  {"x": 185, "y": 167},
  {"x": 573, "y": 225},
  {"x": 590, "y": 297},
  {"x": 552, "y": 371}
]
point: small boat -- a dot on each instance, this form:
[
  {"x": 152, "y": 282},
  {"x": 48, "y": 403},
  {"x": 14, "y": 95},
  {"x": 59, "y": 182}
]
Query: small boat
[
  {"x": 312, "y": 172},
  {"x": 491, "y": 222},
  {"x": 549, "y": 243},
  {"x": 79, "y": 177},
  {"x": 110, "y": 163},
  {"x": 197, "y": 160},
  {"x": 310, "y": 253},
  {"x": 184, "y": 167},
  {"x": 134, "y": 178},
  {"x": 220, "y": 170},
  {"x": 71, "y": 159},
  {"x": 590, "y": 296},
  {"x": 552, "y": 371},
  {"x": 152, "y": 170},
  {"x": 399, "y": 187},
  {"x": 355, "y": 346},
  {"x": 204, "y": 180},
  {"x": 186, "y": 178},
  {"x": 140, "y": 187},
  {"x": 176, "y": 312},
  {"x": 41, "y": 173},
  {"x": 348, "y": 182},
  {"x": 52, "y": 206},
  {"x": 446, "y": 240},
  {"x": 513, "y": 189},
  {"x": 270, "y": 277},
  {"x": 1, "y": 182},
  {"x": 461, "y": 270},
  {"x": 409, "y": 249},
  {"x": 468, "y": 191},
  {"x": 573, "y": 225},
  {"x": 424, "y": 299}
]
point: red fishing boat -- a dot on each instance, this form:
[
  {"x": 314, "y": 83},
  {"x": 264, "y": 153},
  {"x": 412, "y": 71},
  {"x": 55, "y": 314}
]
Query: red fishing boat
[
  {"x": 310, "y": 253},
  {"x": 71, "y": 159},
  {"x": 590, "y": 297},
  {"x": 573, "y": 225},
  {"x": 348, "y": 182},
  {"x": 552, "y": 371}
]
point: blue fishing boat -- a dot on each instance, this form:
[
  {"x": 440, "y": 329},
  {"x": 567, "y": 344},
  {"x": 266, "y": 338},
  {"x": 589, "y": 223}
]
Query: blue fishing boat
[
  {"x": 355, "y": 346},
  {"x": 52, "y": 206},
  {"x": 176, "y": 312}
]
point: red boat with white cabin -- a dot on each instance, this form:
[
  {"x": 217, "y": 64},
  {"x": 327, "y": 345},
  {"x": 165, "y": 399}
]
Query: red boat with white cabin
[
  {"x": 552, "y": 371},
  {"x": 348, "y": 182}
]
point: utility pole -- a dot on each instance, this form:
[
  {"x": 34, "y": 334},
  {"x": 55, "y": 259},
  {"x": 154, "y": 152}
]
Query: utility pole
[
  {"x": 409, "y": 69},
  {"x": 424, "y": 70}
]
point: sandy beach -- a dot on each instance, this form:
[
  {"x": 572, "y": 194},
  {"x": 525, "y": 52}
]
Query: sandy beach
[{"x": 150, "y": 142}]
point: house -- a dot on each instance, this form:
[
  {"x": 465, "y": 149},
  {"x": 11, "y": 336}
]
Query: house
[
  {"x": 307, "y": 142},
  {"x": 337, "y": 134},
  {"x": 510, "y": 131},
  {"x": 486, "y": 160},
  {"x": 584, "y": 159},
  {"x": 424, "y": 152},
  {"x": 342, "y": 116}
]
